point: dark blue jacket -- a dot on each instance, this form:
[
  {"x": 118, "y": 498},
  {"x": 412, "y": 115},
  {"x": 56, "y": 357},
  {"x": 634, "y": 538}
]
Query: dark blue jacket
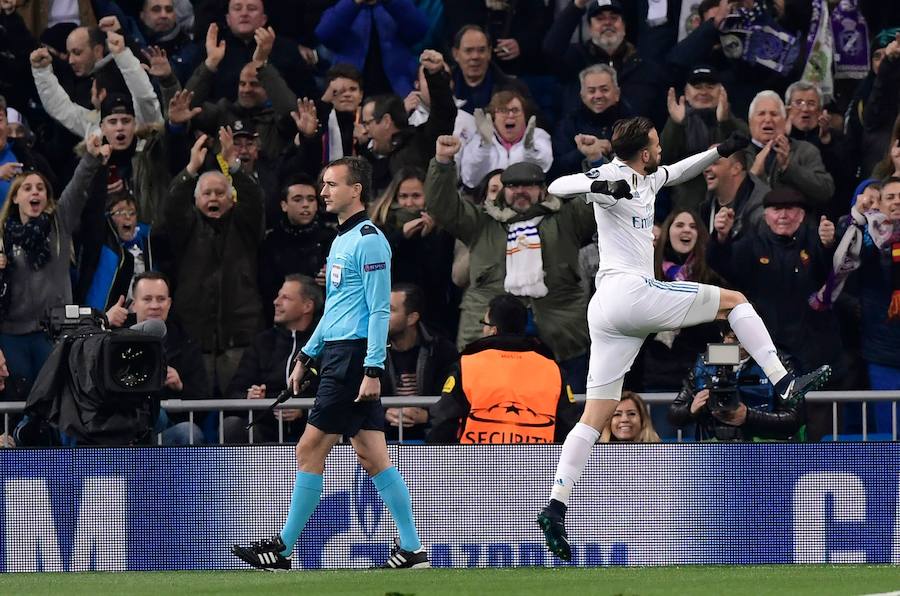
[
  {"x": 567, "y": 158},
  {"x": 114, "y": 269},
  {"x": 643, "y": 83},
  {"x": 778, "y": 274},
  {"x": 346, "y": 29}
]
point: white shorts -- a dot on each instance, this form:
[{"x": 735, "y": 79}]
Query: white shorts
[{"x": 625, "y": 309}]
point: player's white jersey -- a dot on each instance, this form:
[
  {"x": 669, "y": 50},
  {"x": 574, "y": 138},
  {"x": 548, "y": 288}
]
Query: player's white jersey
[{"x": 625, "y": 226}]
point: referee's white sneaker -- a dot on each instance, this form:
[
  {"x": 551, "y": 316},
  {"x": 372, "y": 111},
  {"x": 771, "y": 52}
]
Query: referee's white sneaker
[
  {"x": 404, "y": 559},
  {"x": 265, "y": 554}
]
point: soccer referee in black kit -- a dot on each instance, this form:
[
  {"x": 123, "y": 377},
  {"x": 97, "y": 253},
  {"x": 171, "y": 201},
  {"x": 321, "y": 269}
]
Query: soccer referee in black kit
[{"x": 350, "y": 342}]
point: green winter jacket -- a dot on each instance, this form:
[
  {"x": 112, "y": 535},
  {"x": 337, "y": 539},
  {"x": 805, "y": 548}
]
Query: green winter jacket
[{"x": 561, "y": 315}]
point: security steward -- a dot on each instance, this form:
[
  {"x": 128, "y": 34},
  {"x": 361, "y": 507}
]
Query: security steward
[{"x": 507, "y": 387}]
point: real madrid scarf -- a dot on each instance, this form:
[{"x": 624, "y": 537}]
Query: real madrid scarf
[
  {"x": 847, "y": 257},
  {"x": 524, "y": 263}
]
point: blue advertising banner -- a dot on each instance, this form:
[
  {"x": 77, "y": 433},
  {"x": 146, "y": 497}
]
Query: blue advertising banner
[{"x": 475, "y": 506}]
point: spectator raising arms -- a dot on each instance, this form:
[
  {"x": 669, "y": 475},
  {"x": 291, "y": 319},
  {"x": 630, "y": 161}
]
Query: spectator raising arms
[{"x": 34, "y": 261}]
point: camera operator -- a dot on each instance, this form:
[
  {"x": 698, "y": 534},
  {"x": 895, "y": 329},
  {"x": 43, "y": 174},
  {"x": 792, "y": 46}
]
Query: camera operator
[{"x": 736, "y": 402}]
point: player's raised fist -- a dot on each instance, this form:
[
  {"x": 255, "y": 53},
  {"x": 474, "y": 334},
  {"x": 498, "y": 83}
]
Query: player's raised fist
[{"x": 446, "y": 147}]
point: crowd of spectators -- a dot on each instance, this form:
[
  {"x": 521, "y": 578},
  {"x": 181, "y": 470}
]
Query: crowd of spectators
[{"x": 160, "y": 159}]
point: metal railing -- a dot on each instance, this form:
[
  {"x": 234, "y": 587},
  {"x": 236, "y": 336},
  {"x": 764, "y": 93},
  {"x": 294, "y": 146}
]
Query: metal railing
[{"x": 252, "y": 405}]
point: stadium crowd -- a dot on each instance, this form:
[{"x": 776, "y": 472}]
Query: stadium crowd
[{"x": 160, "y": 159}]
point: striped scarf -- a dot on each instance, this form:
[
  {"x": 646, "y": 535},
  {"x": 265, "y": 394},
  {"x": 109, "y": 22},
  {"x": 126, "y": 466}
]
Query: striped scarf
[
  {"x": 847, "y": 259},
  {"x": 524, "y": 263}
]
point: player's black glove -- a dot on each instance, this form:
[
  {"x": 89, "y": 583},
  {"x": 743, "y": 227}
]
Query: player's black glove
[
  {"x": 618, "y": 189},
  {"x": 735, "y": 142}
]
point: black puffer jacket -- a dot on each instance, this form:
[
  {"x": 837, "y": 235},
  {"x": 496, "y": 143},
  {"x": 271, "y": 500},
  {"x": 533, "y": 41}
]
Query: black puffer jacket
[{"x": 778, "y": 274}]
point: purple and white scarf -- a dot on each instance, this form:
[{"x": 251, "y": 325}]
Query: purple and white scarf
[{"x": 851, "y": 41}]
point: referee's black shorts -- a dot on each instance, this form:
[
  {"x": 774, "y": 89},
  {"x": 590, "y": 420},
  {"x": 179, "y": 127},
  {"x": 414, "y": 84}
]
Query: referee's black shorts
[{"x": 340, "y": 374}]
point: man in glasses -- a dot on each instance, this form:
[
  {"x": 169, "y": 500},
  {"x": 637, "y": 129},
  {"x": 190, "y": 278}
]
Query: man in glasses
[
  {"x": 111, "y": 266},
  {"x": 393, "y": 142},
  {"x": 809, "y": 121}
]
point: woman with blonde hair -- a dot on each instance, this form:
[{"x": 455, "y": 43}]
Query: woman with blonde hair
[
  {"x": 35, "y": 254},
  {"x": 630, "y": 423}
]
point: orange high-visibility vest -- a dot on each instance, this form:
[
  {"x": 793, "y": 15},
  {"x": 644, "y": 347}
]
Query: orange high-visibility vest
[{"x": 513, "y": 397}]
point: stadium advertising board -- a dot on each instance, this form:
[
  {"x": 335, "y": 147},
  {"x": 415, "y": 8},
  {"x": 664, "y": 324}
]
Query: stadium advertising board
[{"x": 182, "y": 508}]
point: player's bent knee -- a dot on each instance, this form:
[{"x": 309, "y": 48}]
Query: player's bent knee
[
  {"x": 597, "y": 412},
  {"x": 729, "y": 299}
]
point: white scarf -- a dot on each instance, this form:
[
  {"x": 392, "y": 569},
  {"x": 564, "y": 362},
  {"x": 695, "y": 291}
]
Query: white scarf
[
  {"x": 524, "y": 264},
  {"x": 335, "y": 140},
  {"x": 657, "y": 12}
]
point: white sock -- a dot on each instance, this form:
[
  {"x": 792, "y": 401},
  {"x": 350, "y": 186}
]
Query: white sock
[
  {"x": 574, "y": 456},
  {"x": 753, "y": 335}
]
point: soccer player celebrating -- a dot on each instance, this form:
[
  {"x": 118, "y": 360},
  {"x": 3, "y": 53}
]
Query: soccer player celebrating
[
  {"x": 629, "y": 304},
  {"x": 350, "y": 343}
]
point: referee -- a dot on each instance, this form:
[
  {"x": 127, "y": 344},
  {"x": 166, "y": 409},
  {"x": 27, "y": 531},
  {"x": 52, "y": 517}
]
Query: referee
[{"x": 350, "y": 344}]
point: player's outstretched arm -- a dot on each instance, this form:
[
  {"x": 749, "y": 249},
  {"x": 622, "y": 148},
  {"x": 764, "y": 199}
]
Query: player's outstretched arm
[
  {"x": 574, "y": 184},
  {"x": 692, "y": 166},
  {"x": 598, "y": 189},
  {"x": 687, "y": 168}
]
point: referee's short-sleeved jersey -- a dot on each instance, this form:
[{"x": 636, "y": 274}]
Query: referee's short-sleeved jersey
[{"x": 357, "y": 290}]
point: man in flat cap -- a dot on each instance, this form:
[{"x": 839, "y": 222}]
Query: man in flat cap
[
  {"x": 525, "y": 243},
  {"x": 778, "y": 266}
]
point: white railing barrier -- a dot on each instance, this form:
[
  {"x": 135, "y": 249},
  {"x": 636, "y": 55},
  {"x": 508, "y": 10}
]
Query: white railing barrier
[{"x": 251, "y": 405}]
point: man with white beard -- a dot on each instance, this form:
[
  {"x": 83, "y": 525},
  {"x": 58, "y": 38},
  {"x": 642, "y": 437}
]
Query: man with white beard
[{"x": 641, "y": 82}]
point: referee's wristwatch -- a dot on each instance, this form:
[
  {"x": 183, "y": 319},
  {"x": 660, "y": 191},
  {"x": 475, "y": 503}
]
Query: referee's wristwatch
[
  {"x": 373, "y": 372},
  {"x": 303, "y": 359}
]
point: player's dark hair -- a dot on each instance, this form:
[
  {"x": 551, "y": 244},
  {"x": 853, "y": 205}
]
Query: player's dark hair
[
  {"x": 413, "y": 297},
  {"x": 631, "y": 136},
  {"x": 888, "y": 180},
  {"x": 359, "y": 171},
  {"x": 309, "y": 290},
  {"x": 508, "y": 314},
  {"x": 150, "y": 275},
  {"x": 390, "y": 104}
]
